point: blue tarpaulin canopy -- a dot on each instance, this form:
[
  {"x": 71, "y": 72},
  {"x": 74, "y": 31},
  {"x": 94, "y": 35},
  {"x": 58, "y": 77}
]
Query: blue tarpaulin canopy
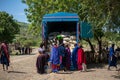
[{"x": 61, "y": 17}]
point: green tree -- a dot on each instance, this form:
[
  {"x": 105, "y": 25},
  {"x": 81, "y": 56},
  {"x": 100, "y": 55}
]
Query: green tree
[
  {"x": 99, "y": 13},
  {"x": 38, "y": 8},
  {"x": 8, "y": 27},
  {"x": 96, "y": 12},
  {"x": 25, "y": 38}
]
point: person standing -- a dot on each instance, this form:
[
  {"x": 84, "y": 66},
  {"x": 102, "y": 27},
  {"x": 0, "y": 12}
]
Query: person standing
[
  {"x": 55, "y": 58},
  {"x": 117, "y": 51},
  {"x": 23, "y": 50},
  {"x": 5, "y": 57},
  {"x": 81, "y": 59},
  {"x": 41, "y": 61},
  {"x": 74, "y": 56},
  {"x": 112, "y": 57},
  {"x": 61, "y": 51},
  {"x": 68, "y": 57}
]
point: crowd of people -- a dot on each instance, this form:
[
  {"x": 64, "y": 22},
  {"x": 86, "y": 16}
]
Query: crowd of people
[
  {"x": 61, "y": 58},
  {"x": 24, "y": 50}
]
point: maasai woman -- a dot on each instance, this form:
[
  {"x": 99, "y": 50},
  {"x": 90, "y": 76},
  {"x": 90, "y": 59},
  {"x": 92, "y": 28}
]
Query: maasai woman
[
  {"x": 5, "y": 58},
  {"x": 40, "y": 63},
  {"x": 68, "y": 57},
  {"x": 80, "y": 57},
  {"x": 112, "y": 57},
  {"x": 55, "y": 58},
  {"x": 74, "y": 56}
]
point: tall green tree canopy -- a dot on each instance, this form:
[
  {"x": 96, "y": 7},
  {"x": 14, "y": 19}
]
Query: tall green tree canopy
[
  {"x": 8, "y": 27},
  {"x": 100, "y": 13}
]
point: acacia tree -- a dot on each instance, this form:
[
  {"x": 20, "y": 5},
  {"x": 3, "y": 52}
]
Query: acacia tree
[
  {"x": 95, "y": 16},
  {"x": 38, "y": 8},
  {"x": 8, "y": 27},
  {"x": 99, "y": 13}
]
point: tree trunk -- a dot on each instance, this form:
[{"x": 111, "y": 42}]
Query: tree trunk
[
  {"x": 100, "y": 49},
  {"x": 91, "y": 54},
  {"x": 99, "y": 40},
  {"x": 100, "y": 46},
  {"x": 91, "y": 45}
]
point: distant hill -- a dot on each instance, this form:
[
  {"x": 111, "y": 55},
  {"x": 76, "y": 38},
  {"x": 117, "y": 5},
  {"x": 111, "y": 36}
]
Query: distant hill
[{"x": 23, "y": 24}]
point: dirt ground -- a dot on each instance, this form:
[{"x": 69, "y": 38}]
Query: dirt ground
[{"x": 23, "y": 68}]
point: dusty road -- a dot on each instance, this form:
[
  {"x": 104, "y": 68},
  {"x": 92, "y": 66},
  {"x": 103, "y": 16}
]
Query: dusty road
[{"x": 23, "y": 68}]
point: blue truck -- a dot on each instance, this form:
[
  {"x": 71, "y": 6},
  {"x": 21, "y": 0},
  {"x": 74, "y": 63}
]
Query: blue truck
[{"x": 64, "y": 21}]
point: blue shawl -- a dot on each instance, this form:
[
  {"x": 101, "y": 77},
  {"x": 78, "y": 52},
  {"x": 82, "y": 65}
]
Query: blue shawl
[{"x": 54, "y": 58}]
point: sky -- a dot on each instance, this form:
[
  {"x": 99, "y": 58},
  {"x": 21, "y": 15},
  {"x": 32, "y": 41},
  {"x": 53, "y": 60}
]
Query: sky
[{"x": 14, "y": 8}]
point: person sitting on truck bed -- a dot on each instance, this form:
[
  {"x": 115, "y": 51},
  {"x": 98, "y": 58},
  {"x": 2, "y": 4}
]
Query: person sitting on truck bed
[{"x": 60, "y": 39}]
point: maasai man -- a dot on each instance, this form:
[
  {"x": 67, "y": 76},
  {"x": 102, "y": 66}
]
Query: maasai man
[
  {"x": 74, "y": 56},
  {"x": 80, "y": 57},
  {"x": 112, "y": 57},
  {"x": 5, "y": 57},
  {"x": 40, "y": 63},
  {"x": 61, "y": 50},
  {"x": 68, "y": 57},
  {"x": 55, "y": 58}
]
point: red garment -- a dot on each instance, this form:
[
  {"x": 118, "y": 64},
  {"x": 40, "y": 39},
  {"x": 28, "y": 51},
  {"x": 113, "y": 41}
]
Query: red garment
[
  {"x": 55, "y": 67},
  {"x": 5, "y": 49},
  {"x": 60, "y": 59},
  {"x": 81, "y": 58}
]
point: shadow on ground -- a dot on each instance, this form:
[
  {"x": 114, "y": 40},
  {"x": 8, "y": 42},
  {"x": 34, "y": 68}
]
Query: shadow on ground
[
  {"x": 17, "y": 72},
  {"x": 21, "y": 54},
  {"x": 99, "y": 65},
  {"x": 65, "y": 72},
  {"x": 88, "y": 70},
  {"x": 116, "y": 76}
]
